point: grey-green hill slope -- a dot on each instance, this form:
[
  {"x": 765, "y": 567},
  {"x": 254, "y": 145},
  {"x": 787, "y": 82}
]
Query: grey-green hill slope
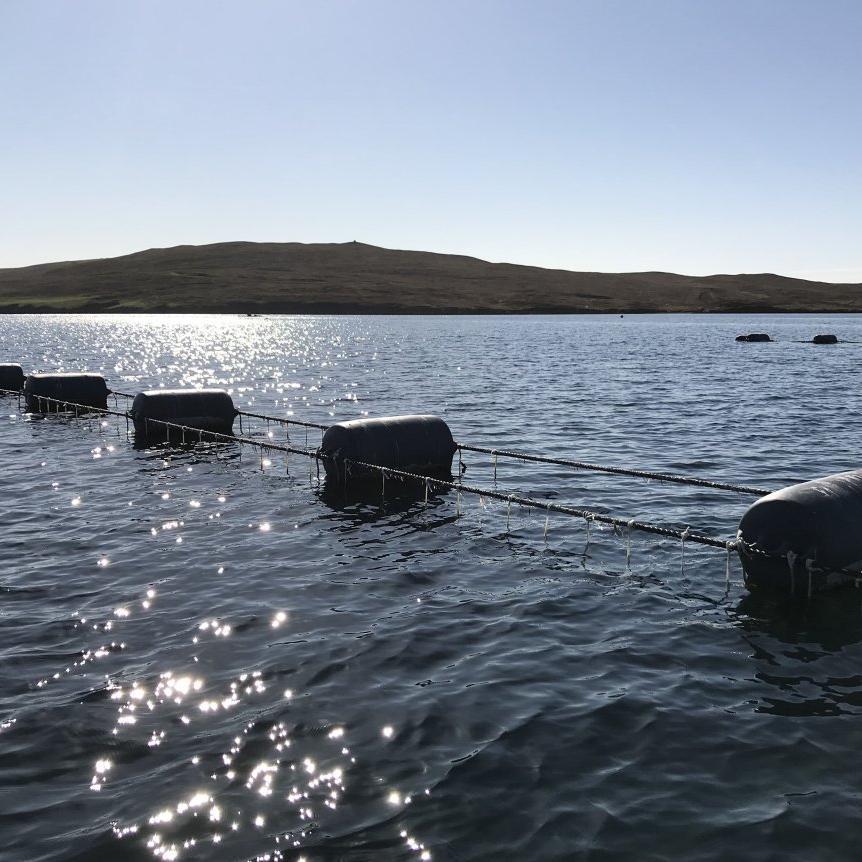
[{"x": 357, "y": 278}]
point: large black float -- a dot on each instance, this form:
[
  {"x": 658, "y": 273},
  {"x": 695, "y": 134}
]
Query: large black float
[
  {"x": 804, "y": 538},
  {"x": 414, "y": 444},
  {"x": 53, "y": 393},
  {"x": 754, "y": 336},
  {"x": 203, "y": 410},
  {"x": 11, "y": 377}
]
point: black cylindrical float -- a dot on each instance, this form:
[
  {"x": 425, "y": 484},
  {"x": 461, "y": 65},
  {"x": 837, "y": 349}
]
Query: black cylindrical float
[
  {"x": 795, "y": 539},
  {"x": 200, "y": 409},
  {"x": 11, "y": 377},
  {"x": 64, "y": 391},
  {"x": 754, "y": 336},
  {"x": 825, "y": 339},
  {"x": 415, "y": 444}
]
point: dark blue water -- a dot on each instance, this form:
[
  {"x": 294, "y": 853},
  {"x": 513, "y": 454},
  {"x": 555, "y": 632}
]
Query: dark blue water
[{"x": 201, "y": 660}]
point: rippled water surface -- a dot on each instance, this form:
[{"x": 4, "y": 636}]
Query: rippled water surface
[{"x": 205, "y": 660}]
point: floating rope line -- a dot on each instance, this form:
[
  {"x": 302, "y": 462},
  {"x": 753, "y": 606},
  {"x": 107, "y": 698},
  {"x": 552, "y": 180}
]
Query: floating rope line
[
  {"x": 619, "y": 471},
  {"x": 563, "y": 462},
  {"x": 458, "y": 487},
  {"x": 282, "y": 420},
  {"x": 528, "y": 502},
  {"x": 545, "y": 459},
  {"x": 589, "y": 516},
  {"x": 201, "y": 435}
]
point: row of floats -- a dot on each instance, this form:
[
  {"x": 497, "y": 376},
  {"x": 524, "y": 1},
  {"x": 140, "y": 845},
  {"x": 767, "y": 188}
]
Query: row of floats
[
  {"x": 798, "y": 540},
  {"x": 826, "y": 338},
  {"x": 422, "y": 445}
]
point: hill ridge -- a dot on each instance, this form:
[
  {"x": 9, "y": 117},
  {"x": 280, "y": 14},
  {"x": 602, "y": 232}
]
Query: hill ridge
[{"x": 355, "y": 277}]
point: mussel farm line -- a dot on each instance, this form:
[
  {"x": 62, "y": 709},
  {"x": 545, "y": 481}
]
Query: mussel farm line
[{"x": 798, "y": 572}]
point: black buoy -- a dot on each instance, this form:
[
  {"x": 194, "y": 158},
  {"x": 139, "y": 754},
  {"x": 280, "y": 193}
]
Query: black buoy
[
  {"x": 11, "y": 377},
  {"x": 415, "y": 444},
  {"x": 200, "y": 409},
  {"x": 795, "y": 539},
  {"x": 825, "y": 339},
  {"x": 64, "y": 391},
  {"x": 754, "y": 336}
]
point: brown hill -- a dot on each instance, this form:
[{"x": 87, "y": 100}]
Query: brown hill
[{"x": 356, "y": 278}]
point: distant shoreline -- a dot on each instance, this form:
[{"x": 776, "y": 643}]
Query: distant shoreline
[
  {"x": 354, "y": 278},
  {"x": 157, "y": 312}
]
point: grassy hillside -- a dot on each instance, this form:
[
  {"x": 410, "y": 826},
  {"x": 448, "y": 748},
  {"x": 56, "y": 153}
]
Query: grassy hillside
[{"x": 357, "y": 278}]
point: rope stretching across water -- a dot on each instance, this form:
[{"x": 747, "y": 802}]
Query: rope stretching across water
[
  {"x": 654, "y": 475},
  {"x": 686, "y": 535},
  {"x": 282, "y": 421},
  {"x": 195, "y": 434},
  {"x": 529, "y": 502},
  {"x": 619, "y": 471},
  {"x": 563, "y": 462}
]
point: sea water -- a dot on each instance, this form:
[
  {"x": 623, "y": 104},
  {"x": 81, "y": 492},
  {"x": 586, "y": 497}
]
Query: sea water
[{"x": 213, "y": 658}]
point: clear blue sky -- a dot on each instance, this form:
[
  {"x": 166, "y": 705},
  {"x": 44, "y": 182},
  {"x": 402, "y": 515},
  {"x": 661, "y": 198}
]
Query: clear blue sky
[{"x": 695, "y": 136}]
